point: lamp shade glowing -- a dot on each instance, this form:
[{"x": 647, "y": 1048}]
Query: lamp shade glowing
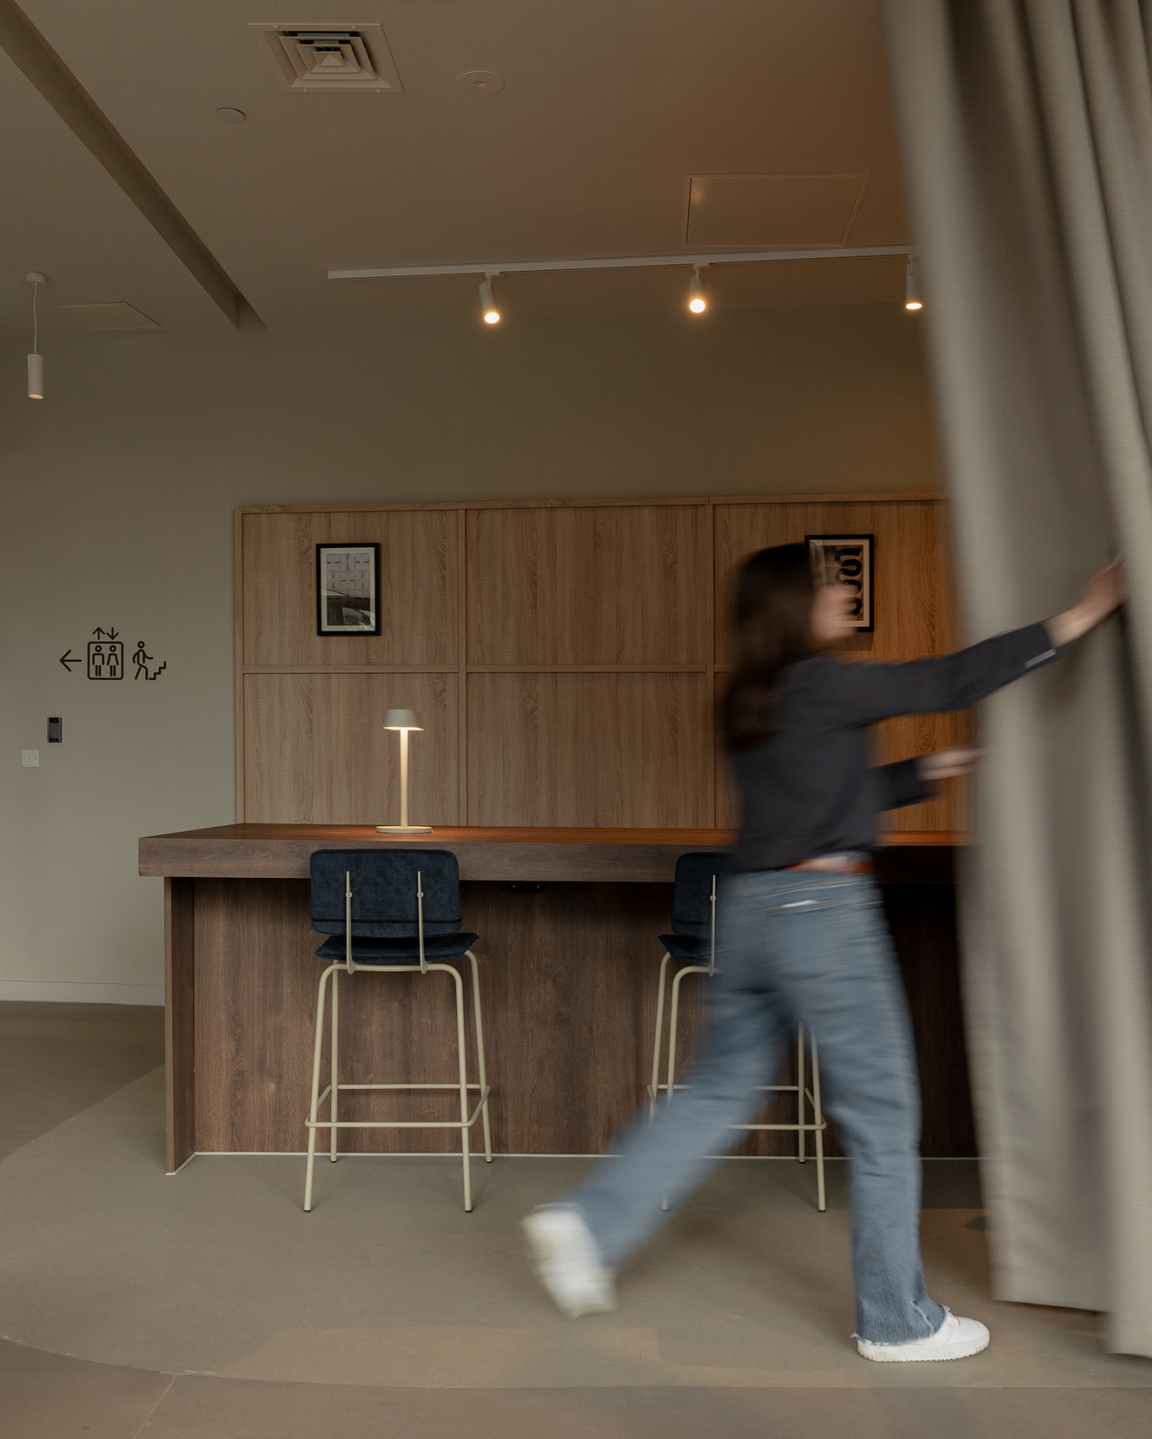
[
  {"x": 697, "y": 300},
  {"x": 401, "y": 719}
]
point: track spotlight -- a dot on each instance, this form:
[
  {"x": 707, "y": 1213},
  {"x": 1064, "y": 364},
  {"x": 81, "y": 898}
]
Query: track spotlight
[
  {"x": 912, "y": 300},
  {"x": 488, "y": 303},
  {"x": 35, "y": 359},
  {"x": 697, "y": 300}
]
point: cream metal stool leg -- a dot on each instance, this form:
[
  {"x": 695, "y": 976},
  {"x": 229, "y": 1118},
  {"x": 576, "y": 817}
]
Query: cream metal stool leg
[
  {"x": 674, "y": 1019},
  {"x": 819, "y": 1119},
  {"x": 654, "y": 1087},
  {"x": 673, "y": 1022},
  {"x": 465, "y": 1134},
  {"x": 480, "y": 1057},
  {"x": 800, "y": 1095},
  {"x": 333, "y": 1050},
  {"x": 317, "y": 1097}
]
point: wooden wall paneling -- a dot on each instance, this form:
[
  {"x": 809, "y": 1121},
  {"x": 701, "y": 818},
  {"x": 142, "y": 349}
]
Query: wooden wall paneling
[
  {"x": 607, "y": 585},
  {"x": 711, "y": 733},
  {"x": 588, "y": 749},
  {"x": 317, "y": 751},
  {"x": 633, "y": 587},
  {"x": 239, "y": 619},
  {"x": 462, "y": 666},
  {"x": 279, "y": 743},
  {"x": 418, "y": 598}
]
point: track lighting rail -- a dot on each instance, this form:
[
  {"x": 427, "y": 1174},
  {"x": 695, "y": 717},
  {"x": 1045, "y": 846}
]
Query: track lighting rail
[{"x": 620, "y": 262}]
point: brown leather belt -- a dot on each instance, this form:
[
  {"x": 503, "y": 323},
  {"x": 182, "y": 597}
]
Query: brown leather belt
[{"x": 833, "y": 864}]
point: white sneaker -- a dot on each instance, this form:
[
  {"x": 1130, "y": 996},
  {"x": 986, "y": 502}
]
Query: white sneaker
[
  {"x": 955, "y": 1339},
  {"x": 568, "y": 1262}
]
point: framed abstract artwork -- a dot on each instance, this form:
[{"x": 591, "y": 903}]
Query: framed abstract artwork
[
  {"x": 348, "y": 589},
  {"x": 848, "y": 560}
]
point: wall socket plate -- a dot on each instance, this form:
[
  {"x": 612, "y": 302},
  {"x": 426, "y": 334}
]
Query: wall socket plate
[{"x": 30, "y": 758}]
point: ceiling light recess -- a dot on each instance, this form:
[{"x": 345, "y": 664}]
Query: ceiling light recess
[
  {"x": 329, "y": 57},
  {"x": 480, "y": 82}
]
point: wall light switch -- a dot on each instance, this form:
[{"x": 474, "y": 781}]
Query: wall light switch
[{"x": 31, "y": 758}]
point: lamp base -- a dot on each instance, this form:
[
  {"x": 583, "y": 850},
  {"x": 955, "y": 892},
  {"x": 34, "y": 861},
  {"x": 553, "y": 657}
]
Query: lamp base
[{"x": 403, "y": 829}]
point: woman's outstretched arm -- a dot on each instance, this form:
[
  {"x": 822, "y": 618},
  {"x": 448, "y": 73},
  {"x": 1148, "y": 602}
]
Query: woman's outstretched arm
[{"x": 865, "y": 692}]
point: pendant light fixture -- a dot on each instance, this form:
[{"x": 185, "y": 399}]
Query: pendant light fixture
[
  {"x": 35, "y": 359},
  {"x": 912, "y": 299},
  {"x": 697, "y": 300},
  {"x": 488, "y": 303}
]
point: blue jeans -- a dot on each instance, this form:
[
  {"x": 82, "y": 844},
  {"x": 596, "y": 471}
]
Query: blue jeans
[{"x": 794, "y": 948}]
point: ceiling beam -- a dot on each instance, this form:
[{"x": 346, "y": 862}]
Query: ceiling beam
[
  {"x": 621, "y": 262},
  {"x": 31, "y": 53}
]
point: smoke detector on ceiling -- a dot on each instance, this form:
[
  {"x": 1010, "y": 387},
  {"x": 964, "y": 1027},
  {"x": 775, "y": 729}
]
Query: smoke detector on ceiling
[{"x": 329, "y": 57}]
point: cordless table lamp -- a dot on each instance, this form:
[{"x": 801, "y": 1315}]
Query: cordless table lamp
[{"x": 403, "y": 720}]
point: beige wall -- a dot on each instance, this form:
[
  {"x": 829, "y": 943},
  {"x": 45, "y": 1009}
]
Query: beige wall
[{"x": 117, "y": 494}]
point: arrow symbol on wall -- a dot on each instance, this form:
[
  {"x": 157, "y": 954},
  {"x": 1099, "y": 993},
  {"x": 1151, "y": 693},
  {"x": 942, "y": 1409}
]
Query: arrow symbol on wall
[{"x": 68, "y": 658}]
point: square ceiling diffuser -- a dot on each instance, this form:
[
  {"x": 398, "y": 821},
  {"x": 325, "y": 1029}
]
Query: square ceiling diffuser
[
  {"x": 329, "y": 57},
  {"x": 772, "y": 212},
  {"x": 117, "y": 316}
]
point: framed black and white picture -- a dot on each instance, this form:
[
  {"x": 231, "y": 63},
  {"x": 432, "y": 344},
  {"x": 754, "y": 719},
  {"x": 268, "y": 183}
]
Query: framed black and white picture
[
  {"x": 848, "y": 560},
  {"x": 348, "y": 589}
]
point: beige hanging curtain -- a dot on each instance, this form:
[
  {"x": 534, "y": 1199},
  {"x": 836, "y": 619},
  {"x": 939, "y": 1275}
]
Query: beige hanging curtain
[{"x": 1027, "y": 134}]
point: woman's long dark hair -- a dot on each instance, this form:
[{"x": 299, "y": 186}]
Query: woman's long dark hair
[{"x": 774, "y": 594}]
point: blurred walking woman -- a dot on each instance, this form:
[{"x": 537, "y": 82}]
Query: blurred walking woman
[{"x": 803, "y": 941}]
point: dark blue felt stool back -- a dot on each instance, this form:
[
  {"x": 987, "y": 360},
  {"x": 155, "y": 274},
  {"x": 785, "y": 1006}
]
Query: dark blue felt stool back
[
  {"x": 692, "y": 895},
  {"x": 384, "y": 891}
]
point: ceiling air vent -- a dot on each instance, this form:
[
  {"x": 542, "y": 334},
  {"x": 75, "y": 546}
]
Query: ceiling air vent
[{"x": 329, "y": 57}]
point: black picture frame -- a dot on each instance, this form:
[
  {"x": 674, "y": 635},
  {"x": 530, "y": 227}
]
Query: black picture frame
[
  {"x": 353, "y": 565},
  {"x": 849, "y": 560}
]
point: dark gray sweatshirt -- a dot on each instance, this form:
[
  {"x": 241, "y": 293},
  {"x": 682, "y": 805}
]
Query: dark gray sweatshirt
[{"x": 808, "y": 789}]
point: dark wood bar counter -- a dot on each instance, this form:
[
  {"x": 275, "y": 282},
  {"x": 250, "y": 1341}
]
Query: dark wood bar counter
[{"x": 568, "y": 977}]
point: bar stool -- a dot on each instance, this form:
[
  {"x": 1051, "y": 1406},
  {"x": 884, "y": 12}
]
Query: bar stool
[
  {"x": 692, "y": 942},
  {"x": 385, "y": 909}
]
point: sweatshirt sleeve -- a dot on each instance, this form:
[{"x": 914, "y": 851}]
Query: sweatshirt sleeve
[
  {"x": 899, "y": 784},
  {"x": 867, "y": 692}
]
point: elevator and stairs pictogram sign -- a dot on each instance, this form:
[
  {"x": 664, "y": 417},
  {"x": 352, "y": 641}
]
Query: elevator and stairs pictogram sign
[{"x": 105, "y": 658}]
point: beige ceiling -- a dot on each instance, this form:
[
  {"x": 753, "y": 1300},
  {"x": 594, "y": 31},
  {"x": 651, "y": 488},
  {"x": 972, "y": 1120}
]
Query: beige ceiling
[{"x": 609, "y": 108}]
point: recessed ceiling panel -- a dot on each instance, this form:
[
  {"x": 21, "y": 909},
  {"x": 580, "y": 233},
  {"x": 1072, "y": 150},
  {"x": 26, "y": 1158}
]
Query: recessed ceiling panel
[{"x": 769, "y": 212}]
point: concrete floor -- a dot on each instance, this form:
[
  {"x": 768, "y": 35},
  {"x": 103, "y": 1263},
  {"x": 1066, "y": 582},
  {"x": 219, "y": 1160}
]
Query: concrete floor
[{"x": 208, "y": 1304}]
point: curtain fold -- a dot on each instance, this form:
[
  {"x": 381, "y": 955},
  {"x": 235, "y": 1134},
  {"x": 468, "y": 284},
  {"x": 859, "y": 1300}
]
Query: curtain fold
[{"x": 1027, "y": 136}]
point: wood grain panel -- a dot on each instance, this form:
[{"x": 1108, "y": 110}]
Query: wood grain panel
[
  {"x": 611, "y": 585},
  {"x": 179, "y": 1019},
  {"x": 419, "y": 575},
  {"x": 914, "y": 617},
  {"x": 587, "y": 749},
  {"x": 568, "y": 981},
  {"x": 315, "y": 748}
]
